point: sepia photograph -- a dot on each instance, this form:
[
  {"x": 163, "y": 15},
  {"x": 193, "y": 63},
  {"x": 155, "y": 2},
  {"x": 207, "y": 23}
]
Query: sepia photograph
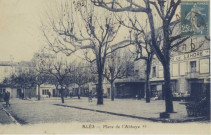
[{"x": 105, "y": 67}]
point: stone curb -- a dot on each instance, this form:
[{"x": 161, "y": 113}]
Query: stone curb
[{"x": 10, "y": 116}]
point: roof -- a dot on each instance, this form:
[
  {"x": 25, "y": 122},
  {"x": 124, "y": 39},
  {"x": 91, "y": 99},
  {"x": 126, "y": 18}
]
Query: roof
[{"x": 6, "y": 63}]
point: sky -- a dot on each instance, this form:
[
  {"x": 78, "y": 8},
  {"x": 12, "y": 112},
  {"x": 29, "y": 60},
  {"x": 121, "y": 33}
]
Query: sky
[
  {"x": 20, "y": 28},
  {"x": 20, "y": 35}
]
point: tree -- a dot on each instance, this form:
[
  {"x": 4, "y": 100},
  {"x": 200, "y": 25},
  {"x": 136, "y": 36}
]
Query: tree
[
  {"x": 143, "y": 49},
  {"x": 116, "y": 68},
  {"x": 59, "y": 71},
  {"x": 41, "y": 76},
  {"x": 67, "y": 82},
  {"x": 88, "y": 31},
  {"x": 148, "y": 60},
  {"x": 166, "y": 11},
  {"x": 82, "y": 75},
  {"x": 24, "y": 80},
  {"x": 145, "y": 52}
]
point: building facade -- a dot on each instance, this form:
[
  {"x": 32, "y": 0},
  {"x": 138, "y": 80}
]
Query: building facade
[
  {"x": 133, "y": 85},
  {"x": 190, "y": 72},
  {"x": 7, "y": 68}
]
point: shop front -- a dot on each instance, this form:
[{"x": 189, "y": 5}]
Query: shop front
[
  {"x": 130, "y": 90},
  {"x": 198, "y": 89},
  {"x": 157, "y": 89}
]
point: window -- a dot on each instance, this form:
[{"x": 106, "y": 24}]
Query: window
[
  {"x": 108, "y": 91},
  {"x": 204, "y": 66},
  {"x": 2, "y": 90},
  {"x": 154, "y": 72},
  {"x": 182, "y": 68},
  {"x": 153, "y": 90},
  {"x": 45, "y": 92},
  {"x": 160, "y": 72},
  {"x": 193, "y": 66},
  {"x": 175, "y": 69}
]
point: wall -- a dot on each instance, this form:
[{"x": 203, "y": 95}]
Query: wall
[
  {"x": 5, "y": 71},
  {"x": 47, "y": 88}
]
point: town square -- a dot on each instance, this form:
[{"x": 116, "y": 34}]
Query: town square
[{"x": 105, "y": 66}]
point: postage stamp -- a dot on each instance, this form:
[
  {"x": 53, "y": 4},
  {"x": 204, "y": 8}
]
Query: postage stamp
[{"x": 195, "y": 17}]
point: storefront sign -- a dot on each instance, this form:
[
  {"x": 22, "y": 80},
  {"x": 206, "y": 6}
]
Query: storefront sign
[{"x": 191, "y": 55}]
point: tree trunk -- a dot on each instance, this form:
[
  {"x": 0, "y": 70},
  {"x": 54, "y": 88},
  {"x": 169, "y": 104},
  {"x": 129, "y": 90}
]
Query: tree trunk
[
  {"x": 24, "y": 91},
  {"x": 30, "y": 90},
  {"x": 100, "y": 88},
  {"x": 62, "y": 94},
  {"x": 147, "y": 89},
  {"x": 166, "y": 67},
  {"x": 66, "y": 91},
  {"x": 167, "y": 88},
  {"x": 112, "y": 91},
  {"x": 38, "y": 91},
  {"x": 148, "y": 70},
  {"x": 79, "y": 91},
  {"x": 57, "y": 90}
]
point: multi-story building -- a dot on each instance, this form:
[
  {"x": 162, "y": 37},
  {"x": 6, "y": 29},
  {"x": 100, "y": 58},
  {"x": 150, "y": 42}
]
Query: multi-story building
[
  {"x": 132, "y": 85},
  {"x": 189, "y": 68},
  {"x": 10, "y": 68},
  {"x": 7, "y": 68}
]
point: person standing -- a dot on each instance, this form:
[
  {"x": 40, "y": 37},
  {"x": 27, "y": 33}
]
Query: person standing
[
  {"x": 90, "y": 96},
  {"x": 49, "y": 94},
  {"x": 22, "y": 95},
  {"x": 5, "y": 97},
  {"x": 1, "y": 96},
  {"x": 8, "y": 98},
  {"x": 71, "y": 95}
]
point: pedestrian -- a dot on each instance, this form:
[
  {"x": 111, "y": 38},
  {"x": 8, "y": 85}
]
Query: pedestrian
[
  {"x": 22, "y": 95},
  {"x": 136, "y": 96},
  {"x": 6, "y": 98},
  {"x": 71, "y": 95},
  {"x": 90, "y": 96},
  {"x": 49, "y": 94},
  {"x": 1, "y": 96}
]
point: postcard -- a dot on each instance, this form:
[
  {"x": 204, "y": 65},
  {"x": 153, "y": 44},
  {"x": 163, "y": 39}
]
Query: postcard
[{"x": 105, "y": 67}]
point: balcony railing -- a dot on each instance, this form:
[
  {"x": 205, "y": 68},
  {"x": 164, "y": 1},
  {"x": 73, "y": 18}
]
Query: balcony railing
[{"x": 192, "y": 75}]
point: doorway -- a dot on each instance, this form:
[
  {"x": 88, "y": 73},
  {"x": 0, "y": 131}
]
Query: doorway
[
  {"x": 196, "y": 91},
  {"x": 54, "y": 93},
  {"x": 19, "y": 93}
]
